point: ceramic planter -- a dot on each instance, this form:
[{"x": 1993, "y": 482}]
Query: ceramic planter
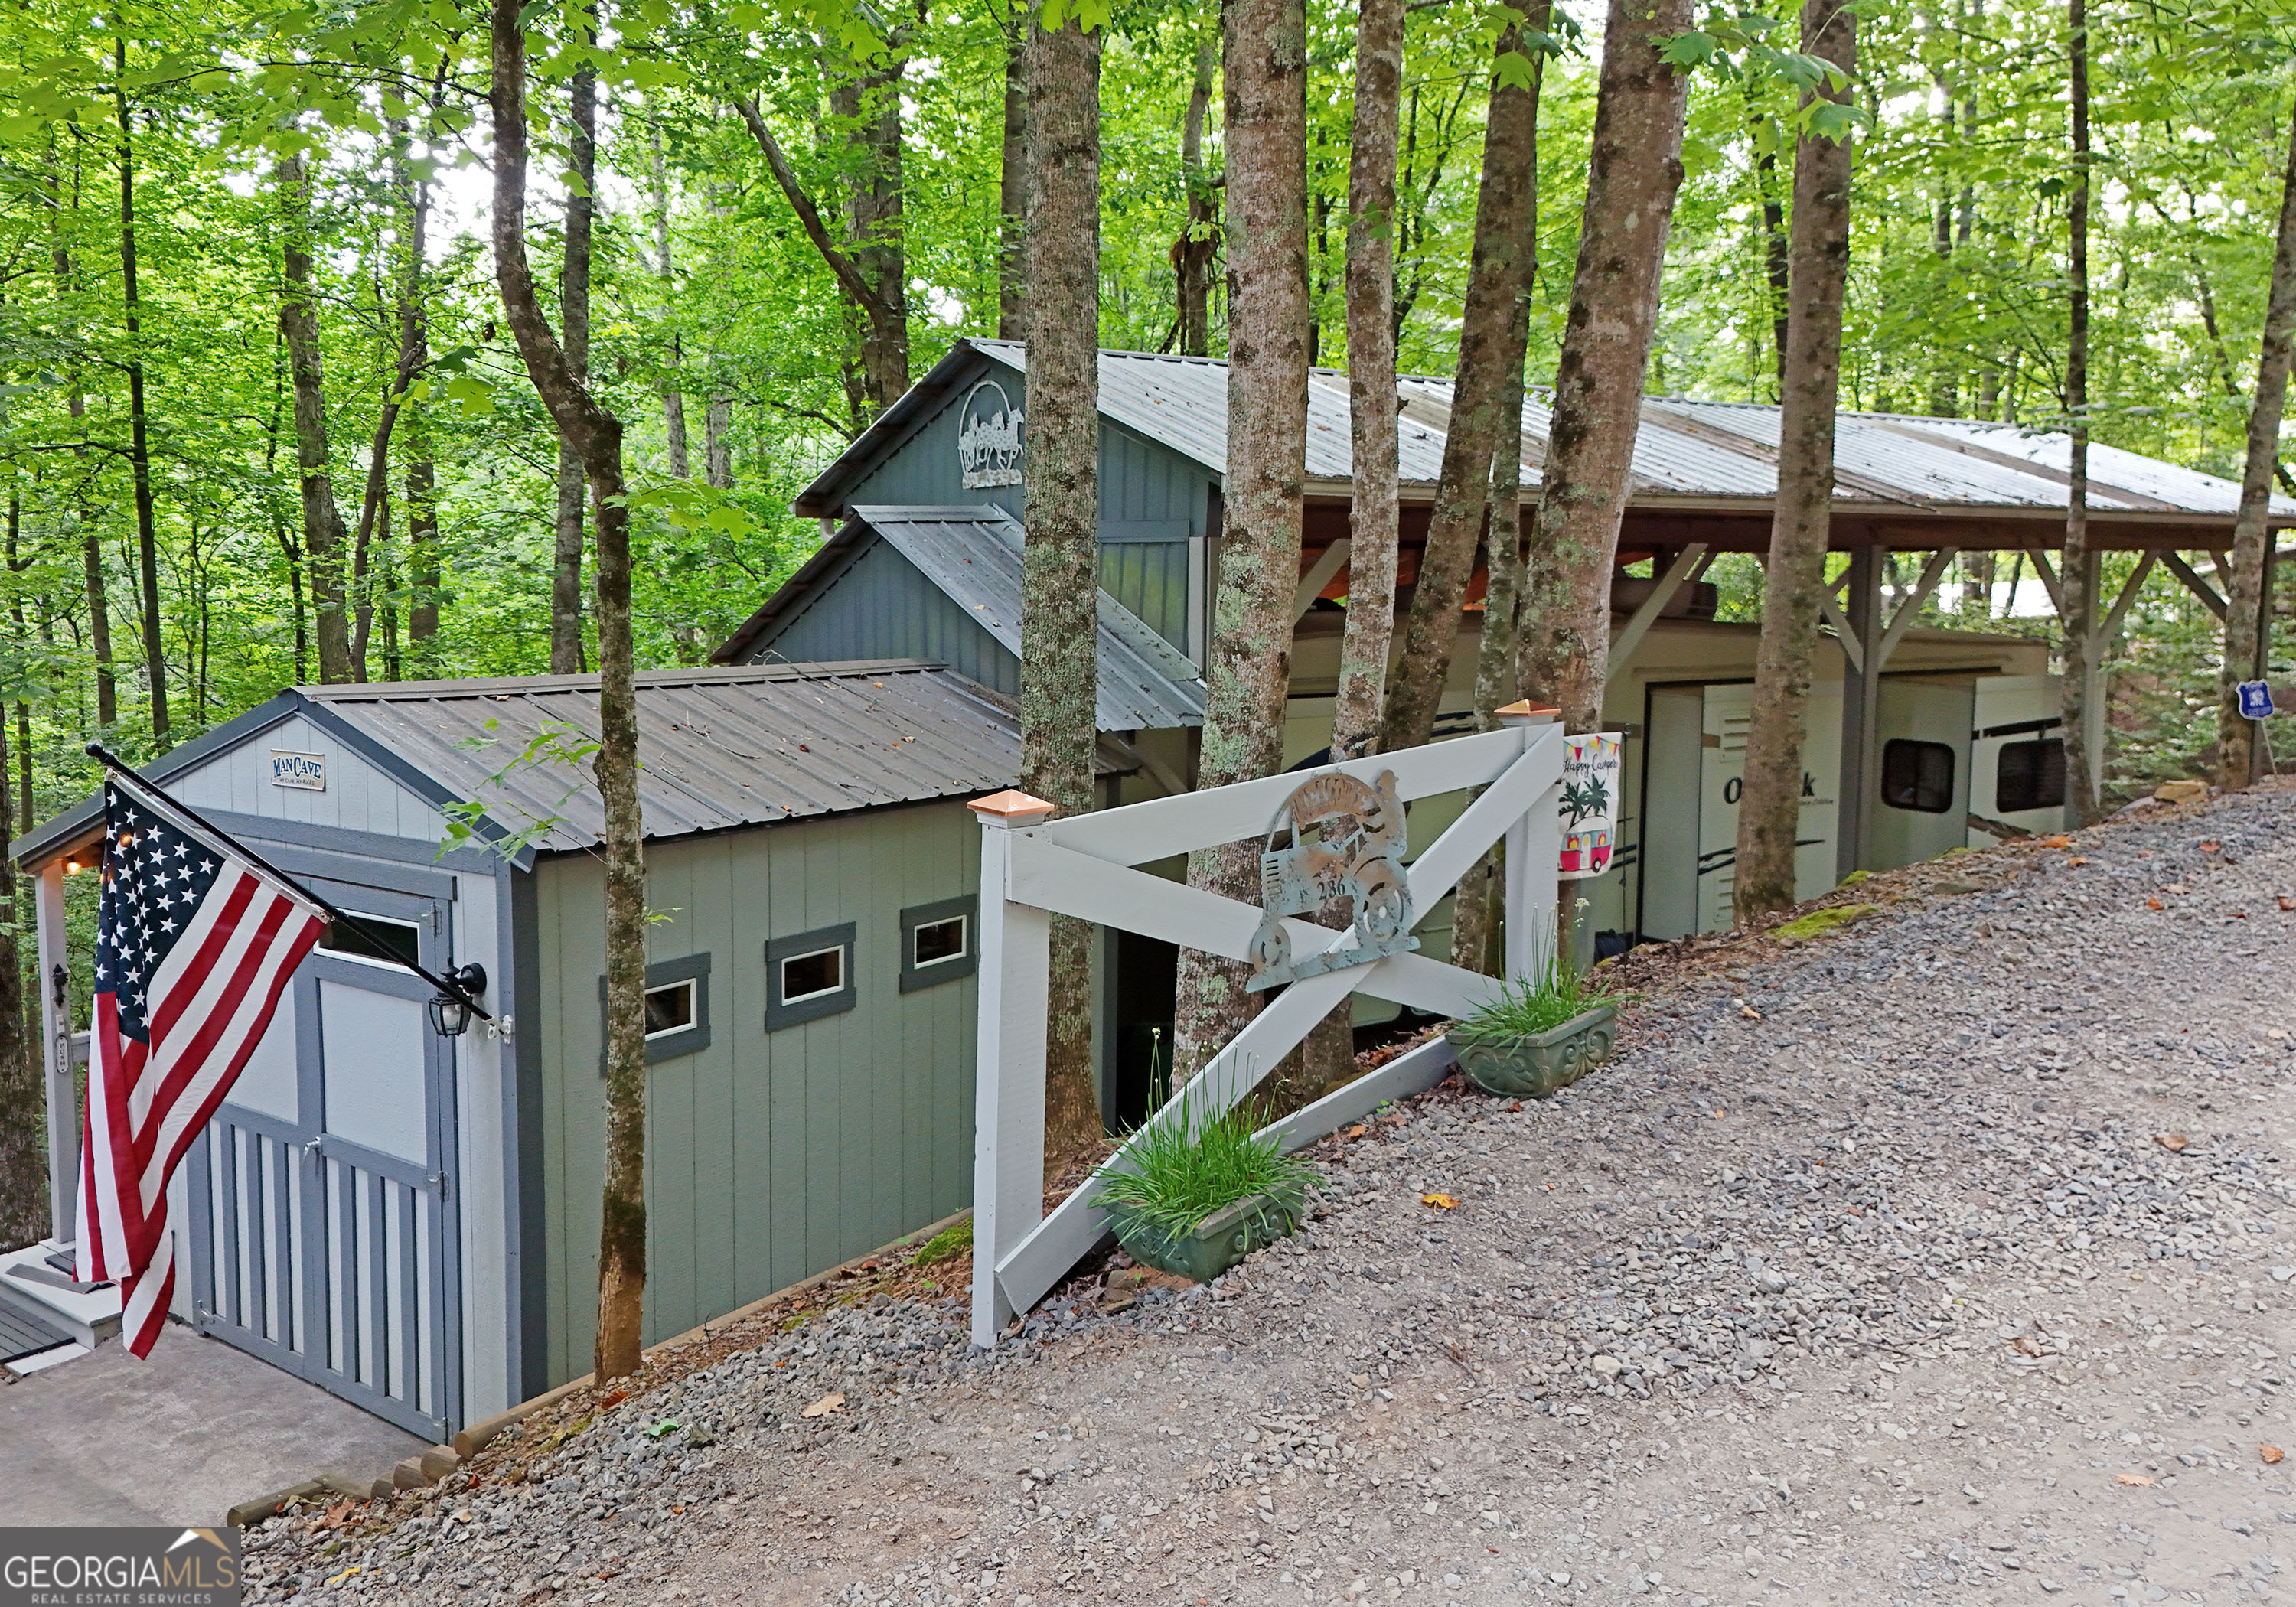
[
  {"x": 1213, "y": 1245},
  {"x": 1535, "y": 1066}
]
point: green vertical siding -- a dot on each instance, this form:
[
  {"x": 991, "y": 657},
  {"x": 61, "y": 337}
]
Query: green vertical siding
[{"x": 770, "y": 1156}]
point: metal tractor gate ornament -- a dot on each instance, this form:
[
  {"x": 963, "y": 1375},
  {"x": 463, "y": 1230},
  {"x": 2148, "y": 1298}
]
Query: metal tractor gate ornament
[{"x": 1347, "y": 840}]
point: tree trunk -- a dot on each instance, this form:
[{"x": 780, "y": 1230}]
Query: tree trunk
[
  {"x": 99, "y": 612},
  {"x": 375, "y": 501},
  {"x": 421, "y": 546},
  {"x": 323, "y": 537},
  {"x": 1463, "y": 491},
  {"x": 1060, "y": 615},
  {"x": 862, "y": 274},
  {"x": 1198, "y": 247},
  {"x": 1012, "y": 181},
  {"x": 1265, "y": 114},
  {"x": 139, "y": 450},
  {"x": 673, "y": 398},
  {"x": 287, "y": 546},
  {"x": 2076, "y": 574},
  {"x": 574, "y": 334},
  {"x": 2248, "y": 626},
  {"x": 717, "y": 443},
  {"x": 598, "y": 436},
  {"x": 1498, "y": 676},
  {"x": 1778, "y": 260},
  {"x": 23, "y": 1100},
  {"x": 1635, "y": 169},
  {"x": 1769, "y": 810}
]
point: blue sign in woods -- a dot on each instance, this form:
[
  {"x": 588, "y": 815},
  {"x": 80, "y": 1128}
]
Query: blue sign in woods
[{"x": 2256, "y": 700}]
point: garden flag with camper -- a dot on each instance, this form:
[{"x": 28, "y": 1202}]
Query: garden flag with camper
[{"x": 193, "y": 948}]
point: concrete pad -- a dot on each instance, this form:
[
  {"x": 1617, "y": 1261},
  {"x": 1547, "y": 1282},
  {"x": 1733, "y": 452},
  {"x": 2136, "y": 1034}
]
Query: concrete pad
[{"x": 178, "y": 1438}]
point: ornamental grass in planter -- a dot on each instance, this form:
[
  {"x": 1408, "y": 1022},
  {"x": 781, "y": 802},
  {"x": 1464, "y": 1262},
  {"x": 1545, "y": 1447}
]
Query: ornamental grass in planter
[
  {"x": 1542, "y": 1032},
  {"x": 1194, "y": 1196}
]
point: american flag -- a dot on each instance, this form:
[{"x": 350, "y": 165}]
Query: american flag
[{"x": 192, "y": 950}]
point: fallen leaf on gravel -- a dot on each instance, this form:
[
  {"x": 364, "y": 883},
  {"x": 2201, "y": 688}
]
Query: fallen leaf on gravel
[
  {"x": 610, "y": 1402},
  {"x": 2077, "y": 859},
  {"x": 2286, "y": 903},
  {"x": 825, "y": 1407},
  {"x": 2058, "y": 841},
  {"x": 2132, "y": 1478},
  {"x": 1441, "y": 1203},
  {"x": 2212, "y": 848},
  {"x": 1358, "y": 1131},
  {"x": 2154, "y": 904},
  {"x": 1749, "y": 1012},
  {"x": 2024, "y": 1343},
  {"x": 2174, "y": 1142},
  {"x": 2240, "y": 914},
  {"x": 2270, "y": 1453}
]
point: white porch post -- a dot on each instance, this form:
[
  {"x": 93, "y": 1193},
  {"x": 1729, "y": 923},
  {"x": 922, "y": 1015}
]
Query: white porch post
[
  {"x": 55, "y": 1040},
  {"x": 1534, "y": 852},
  {"x": 1008, "y": 1131}
]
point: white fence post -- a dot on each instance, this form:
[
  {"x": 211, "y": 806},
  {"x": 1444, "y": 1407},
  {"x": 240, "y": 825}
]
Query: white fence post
[
  {"x": 1008, "y": 1132},
  {"x": 1534, "y": 850}
]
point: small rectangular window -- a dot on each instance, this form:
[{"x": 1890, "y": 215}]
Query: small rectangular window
[
  {"x": 809, "y": 975},
  {"x": 676, "y": 1010},
  {"x": 669, "y": 1009},
  {"x": 812, "y": 975},
  {"x": 1917, "y": 776},
  {"x": 375, "y": 937},
  {"x": 2030, "y": 776},
  {"x": 937, "y": 943}
]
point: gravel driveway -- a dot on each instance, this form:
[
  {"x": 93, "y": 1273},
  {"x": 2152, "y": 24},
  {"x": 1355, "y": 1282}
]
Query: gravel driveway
[{"x": 1946, "y": 1258}]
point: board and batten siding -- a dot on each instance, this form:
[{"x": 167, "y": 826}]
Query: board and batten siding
[
  {"x": 884, "y": 609},
  {"x": 769, "y": 1156}
]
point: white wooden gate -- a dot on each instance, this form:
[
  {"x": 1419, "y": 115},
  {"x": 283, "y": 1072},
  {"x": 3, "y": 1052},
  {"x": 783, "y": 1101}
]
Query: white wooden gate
[{"x": 1033, "y": 867}]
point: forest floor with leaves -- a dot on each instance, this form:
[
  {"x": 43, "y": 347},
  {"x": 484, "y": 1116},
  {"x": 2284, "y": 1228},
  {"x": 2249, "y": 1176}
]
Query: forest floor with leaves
[{"x": 1946, "y": 1256}]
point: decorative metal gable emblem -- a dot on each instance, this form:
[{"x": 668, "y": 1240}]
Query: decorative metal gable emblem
[
  {"x": 1334, "y": 838},
  {"x": 988, "y": 437}
]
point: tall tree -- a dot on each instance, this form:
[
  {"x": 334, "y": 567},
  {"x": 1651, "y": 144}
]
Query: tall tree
[
  {"x": 2077, "y": 570},
  {"x": 323, "y": 536},
  {"x": 574, "y": 335},
  {"x": 597, "y": 436},
  {"x": 1197, "y": 249},
  {"x": 665, "y": 272},
  {"x": 1634, "y": 171},
  {"x": 1060, "y": 601},
  {"x": 1266, "y": 117},
  {"x": 139, "y": 444},
  {"x": 1478, "y": 402},
  {"x": 23, "y": 1101},
  {"x": 375, "y": 501},
  {"x": 2247, "y": 624},
  {"x": 1769, "y": 810},
  {"x": 1012, "y": 179},
  {"x": 99, "y": 612}
]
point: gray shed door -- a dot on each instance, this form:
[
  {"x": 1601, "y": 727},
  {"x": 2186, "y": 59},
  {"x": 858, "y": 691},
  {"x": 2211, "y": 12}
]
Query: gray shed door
[{"x": 323, "y": 1235}]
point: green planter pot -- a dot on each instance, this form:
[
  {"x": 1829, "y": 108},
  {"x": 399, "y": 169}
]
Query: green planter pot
[
  {"x": 1213, "y": 1245},
  {"x": 1534, "y": 1067}
]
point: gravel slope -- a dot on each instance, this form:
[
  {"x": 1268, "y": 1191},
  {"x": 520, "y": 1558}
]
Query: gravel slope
[{"x": 1946, "y": 1256}]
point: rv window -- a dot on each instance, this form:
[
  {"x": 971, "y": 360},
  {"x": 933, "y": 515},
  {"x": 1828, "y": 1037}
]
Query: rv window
[
  {"x": 1917, "y": 776},
  {"x": 375, "y": 938},
  {"x": 2031, "y": 775}
]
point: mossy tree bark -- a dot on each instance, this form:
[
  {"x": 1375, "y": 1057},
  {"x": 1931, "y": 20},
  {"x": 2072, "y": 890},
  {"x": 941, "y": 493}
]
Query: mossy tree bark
[
  {"x": 1769, "y": 811},
  {"x": 597, "y": 435},
  {"x": 2077, "y": 578},
  {"x": 1059, "y": 614},
  {"x": 1197, "y": 249},
  {"x": 2247, "y": 644},
  {"x": 1266, "y": 112},
  {"x": 574, "y": 337},
  {"x": 1634, "y": 173},
  {"x": 325, "y": 539}
]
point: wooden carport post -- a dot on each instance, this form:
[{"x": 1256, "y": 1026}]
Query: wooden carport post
[
  {"x": 1008, "y": 1128},
  {"x": 1861, "y": 711}
]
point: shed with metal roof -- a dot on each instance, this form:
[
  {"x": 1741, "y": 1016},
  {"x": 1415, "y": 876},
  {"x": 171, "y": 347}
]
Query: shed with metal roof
[{"x": 411, "y": 1220}]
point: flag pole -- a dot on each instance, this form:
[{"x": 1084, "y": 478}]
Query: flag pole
[{"x": 152, "y": 795}]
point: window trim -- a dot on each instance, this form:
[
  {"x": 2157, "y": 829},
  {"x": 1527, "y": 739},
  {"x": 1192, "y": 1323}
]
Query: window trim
[
  {"x": 672, "y": 1043},
  {"x": 781, "y": 1012},
  {"x": 932, "y": 974},
  {"x": 1952, "y": 776}
]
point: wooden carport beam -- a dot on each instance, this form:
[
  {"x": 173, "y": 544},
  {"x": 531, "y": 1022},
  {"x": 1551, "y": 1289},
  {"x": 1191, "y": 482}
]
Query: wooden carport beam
[
  {"x": 1328, "y": 563},
  {"x": 1910, "y": 609},
  {"x": 2136, "y": 584},
  {"x": 2048, "y": 571},
  {"x": 1631, "y": 636},
  {"x": 2192, "y": 582}
]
